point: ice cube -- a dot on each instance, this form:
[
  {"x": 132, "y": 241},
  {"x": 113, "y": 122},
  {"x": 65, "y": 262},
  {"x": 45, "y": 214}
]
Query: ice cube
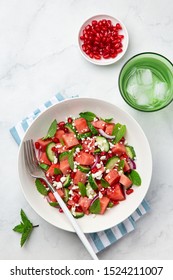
[
  {"x": 143, "y": 99},
  {"x": 160, "y": 90},
  {"x": 144, "y": 77},
  {"x": 133, "y": 90},
  {"x": 147, "y": 77}
]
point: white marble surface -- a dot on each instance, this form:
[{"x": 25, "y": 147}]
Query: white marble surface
[{"x": 39, "y": 56}]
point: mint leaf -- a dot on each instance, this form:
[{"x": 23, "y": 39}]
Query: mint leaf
[
  {"x": 25, "y": 228},
  {"x": 25, "y": 235},
  {"x": 19, "y": 228},
  {"x": 40, "y": 187},
  {"x": 107, "y": 120},
  {"x": 120, "y": 132},
  {"x": 116, "y": 128},
  {"x": 135, "y": 178},
  {"x": 25, "y": 219},
  {"x": 54, "y": 204},
  {"x": 121, "y": 165},
  {"x": 57, "y": 171},
  {"x": 95, "y": 207},
  {"x": 51, "y": 131},
  {"x": 89, "y": 116},
  {"x": 104, "y": 183},
  {"x": 82, "y": 189}
]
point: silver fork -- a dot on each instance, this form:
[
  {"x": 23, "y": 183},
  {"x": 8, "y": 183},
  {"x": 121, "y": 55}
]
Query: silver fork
[{"x": 36, "y": 172}]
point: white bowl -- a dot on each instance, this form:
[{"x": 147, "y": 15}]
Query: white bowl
[
  {"x": 135, "y": 137},
  {"x": 125, "y": 41}
]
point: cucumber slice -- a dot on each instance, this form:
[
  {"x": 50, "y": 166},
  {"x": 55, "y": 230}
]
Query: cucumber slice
[
  {"x": 70, "y": 128},
  {"x": 50, "y": 154},
  {"x": 111, "y": 162},
  {"x": 67, "y": 182},
  {"x": 130, "y": 152},
  {"x": 83, "y": 169},
  {"x": 44, "y": 166},
  {"x": 66, "y": 195},
  {"x": 103, "y": 143},
  {"x": 77, "y": 215},
  {"x": 92, "y": 182},
  {"x": 97, "y": 151},
  {"x": 89, "y": 191},
  {"x": 63, "y": 155}
]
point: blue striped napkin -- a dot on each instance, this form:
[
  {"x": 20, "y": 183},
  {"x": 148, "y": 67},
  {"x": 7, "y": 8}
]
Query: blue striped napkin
[{"x": 99, "y": 240}]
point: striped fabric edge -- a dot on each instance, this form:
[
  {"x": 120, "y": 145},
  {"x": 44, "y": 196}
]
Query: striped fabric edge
[
  {"x": 21, "y": 127},
  {"x": 99, "y": 240}
]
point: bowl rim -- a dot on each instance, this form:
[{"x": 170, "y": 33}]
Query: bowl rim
[
  {"x": 107, "y": 61},
  {"x": 128, "y": 115},
  {"x": 131, "y": 58}
]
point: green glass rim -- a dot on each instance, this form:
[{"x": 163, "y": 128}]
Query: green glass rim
[{"x": 130, "y": 104}]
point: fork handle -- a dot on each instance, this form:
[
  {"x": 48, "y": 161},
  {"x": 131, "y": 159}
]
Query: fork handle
[{"x": 73, "y": 222}]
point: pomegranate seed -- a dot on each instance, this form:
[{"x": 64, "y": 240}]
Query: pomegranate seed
[
  {"x": 61, "y": 124},
  {"x": 115, "y": 202},
  {"x": 113, "y": 55},
  {"x": 79, "y": 209},
  {"x": 60, "y": 210},
  {"x": 37, "y": 145},
  {"x": 109, "y": 155},
  {"x": 69, "y": 206},
  {"x": 94, "y": 22},
  {"x": 129, "y": 191},
  {"x": 72, "y": 175},
  {"x": 53, "y": 149},
  {"x": 97, "y": 56},
  {"x": 119, "y": 50},
  {"x": 118, "y": 26},
  {"x": 70, "y": 120},
  {"x": 91, "y": 55},
  {"x": 94, "y": 170},
  {"x": 106, "y": 56},
  {"x": 120, "y": 36},
  {"x": 76, "y": 198},
  {"x": 55, "y": 140},
  {"x": 57, "y": 178}
]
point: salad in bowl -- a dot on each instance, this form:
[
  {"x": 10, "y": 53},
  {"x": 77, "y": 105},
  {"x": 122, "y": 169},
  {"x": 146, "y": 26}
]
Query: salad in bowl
[{"x": 95, "y": 155}]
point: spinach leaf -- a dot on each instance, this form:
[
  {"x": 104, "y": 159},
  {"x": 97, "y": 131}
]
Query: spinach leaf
[{"x": 135, "y": 178}]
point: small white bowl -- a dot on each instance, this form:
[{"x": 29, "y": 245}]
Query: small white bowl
[{"x": 125, "y": 40}]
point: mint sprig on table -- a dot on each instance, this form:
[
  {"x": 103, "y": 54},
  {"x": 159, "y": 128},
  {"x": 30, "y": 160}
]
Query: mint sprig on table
[{"x": 25, "y": 228}]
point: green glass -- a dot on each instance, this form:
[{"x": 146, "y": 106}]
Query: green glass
[{"x": 146, "y": 82}]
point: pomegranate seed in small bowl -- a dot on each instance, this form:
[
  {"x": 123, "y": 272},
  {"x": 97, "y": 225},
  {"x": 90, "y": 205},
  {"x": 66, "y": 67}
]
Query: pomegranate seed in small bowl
[{"x": 103, "y": 39}]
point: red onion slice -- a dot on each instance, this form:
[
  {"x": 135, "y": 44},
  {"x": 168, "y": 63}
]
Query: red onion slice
[
  {"x": 95, "y": 197},
  {"x": 105, "y": 134},
  {"x": 131, "y": 163},
  {"x": 95, "y": 162}
]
